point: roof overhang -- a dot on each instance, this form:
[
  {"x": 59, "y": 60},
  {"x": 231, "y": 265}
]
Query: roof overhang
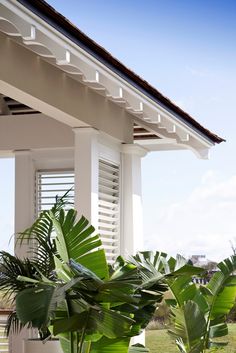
[{"x": 173, "y": 130}]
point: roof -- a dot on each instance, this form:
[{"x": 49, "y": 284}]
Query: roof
[{"x": 63, "y": 25}]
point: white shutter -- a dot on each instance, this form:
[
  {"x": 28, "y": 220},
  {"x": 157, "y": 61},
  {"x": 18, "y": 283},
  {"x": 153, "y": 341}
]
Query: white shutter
[
  {"x": 109, "y": 208},
  {"x": 50, "y": 184}
]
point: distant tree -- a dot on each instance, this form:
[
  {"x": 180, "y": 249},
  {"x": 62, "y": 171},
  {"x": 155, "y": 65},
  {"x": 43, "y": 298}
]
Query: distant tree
[{"x": 233, "y": 245}]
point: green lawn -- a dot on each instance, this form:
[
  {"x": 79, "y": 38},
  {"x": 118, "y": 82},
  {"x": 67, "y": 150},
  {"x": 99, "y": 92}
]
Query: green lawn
[{"x": 158, "y": 341}]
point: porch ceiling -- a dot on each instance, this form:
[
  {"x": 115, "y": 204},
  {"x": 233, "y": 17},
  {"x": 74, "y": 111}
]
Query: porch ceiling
[
  {"x": 30, "y": 31},
  {"x": 9, "y": 106}
]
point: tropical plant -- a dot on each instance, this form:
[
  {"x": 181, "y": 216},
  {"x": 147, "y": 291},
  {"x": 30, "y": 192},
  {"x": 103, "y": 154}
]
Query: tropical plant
[
  {"x": 199, "y": 312},
  {"x": 67, "y": 289}
]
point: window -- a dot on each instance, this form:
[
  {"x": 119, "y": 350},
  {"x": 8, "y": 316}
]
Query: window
[{"x": 50, "y": 184}]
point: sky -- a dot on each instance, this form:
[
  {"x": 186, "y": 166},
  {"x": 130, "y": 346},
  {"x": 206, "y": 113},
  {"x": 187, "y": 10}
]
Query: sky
[{"x": 187, "y": 50}]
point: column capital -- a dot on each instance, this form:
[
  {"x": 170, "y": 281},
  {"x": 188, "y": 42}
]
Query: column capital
[
  {"x": 134, "y": 150},
  {"x": 23, "y": 152},
  {"x": 85, "y": 130}
]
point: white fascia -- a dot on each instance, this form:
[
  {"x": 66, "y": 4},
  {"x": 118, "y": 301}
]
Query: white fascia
[{"x": 79, "y": 64}]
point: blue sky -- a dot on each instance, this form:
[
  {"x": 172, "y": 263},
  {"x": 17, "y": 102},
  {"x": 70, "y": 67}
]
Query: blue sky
[{"x": 187, "y": 50}]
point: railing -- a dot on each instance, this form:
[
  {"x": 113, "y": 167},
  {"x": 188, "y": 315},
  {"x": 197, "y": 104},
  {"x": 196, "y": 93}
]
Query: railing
[
  {"x": 4, "y": 343},
  {"x": 199, "y": 280}
]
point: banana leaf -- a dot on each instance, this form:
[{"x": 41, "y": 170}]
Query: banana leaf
[
  {"x": 96, "y": 320},
  {"x": 75, "y": 240},
  {"x": 190, "y": 325},
  {"x": 106, "y": 345}
]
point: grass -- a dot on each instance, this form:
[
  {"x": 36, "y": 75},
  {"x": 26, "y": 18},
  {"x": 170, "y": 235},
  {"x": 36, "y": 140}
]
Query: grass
[{"x": 158, "y": 341}]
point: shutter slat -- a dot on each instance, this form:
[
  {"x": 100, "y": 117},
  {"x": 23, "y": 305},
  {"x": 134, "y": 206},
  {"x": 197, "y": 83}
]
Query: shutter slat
[
  {"x": 109, "y": 240},
  {"x": 63, "y": 184},
  {"x": 109, "y": 189},
  {"x": 111, "y": 168},
  {"x": 104, "y": 196},
  {"x": 55, "y": 191},
  {"x": 107, "y": 205},
  {"x": 108, "y": 176},
  {"x": 108, "y": 208},
  {"x": 52, "y": 183},
  {"x": 104, "y": 181},
  {"x": 110, "y": 248},
  {"x": 51, "y": 197},
  {"x": 107, "y": 232},
  {"x": 108, "y": 218},
  {"x": 65, "y": 176},
  {"x": 107, "y": 226}
]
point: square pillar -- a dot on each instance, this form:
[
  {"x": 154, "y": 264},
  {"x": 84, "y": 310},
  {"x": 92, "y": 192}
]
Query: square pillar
[
  {"x": 24, "y": 197},
  {"x": 24, "y": 217},
  {"x": 132, "y": 237},
  {"x": 86, "y": 163}
]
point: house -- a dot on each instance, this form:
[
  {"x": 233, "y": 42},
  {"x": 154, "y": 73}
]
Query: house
[{"x": 73, "y": 115}]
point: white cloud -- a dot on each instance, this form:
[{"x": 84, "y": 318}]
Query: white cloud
[
  {"x": 199, "y": 72},
  {"x": 203, "y": 223},
  {"x": 210, "y": 177}
]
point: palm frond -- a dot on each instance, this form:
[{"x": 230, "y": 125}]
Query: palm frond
[
  {"x": 76, "y": 240},
  {"x": 41, "y": 233},
  {"x": 12, "y": 267}
]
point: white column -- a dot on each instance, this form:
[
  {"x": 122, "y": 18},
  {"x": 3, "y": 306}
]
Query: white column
[
  {"x": 24, "y": 216},
  {"x": 86, "y": 160},
  {"x": 132, "y": 234},
  {"x": 132, "y": 237},
  {"x": 24, "y": 196}
]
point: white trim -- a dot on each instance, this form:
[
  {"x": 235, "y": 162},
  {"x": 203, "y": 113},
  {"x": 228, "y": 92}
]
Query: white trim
[
  {"x": 56, "y": 158},
  {"x": 107, "y": 152},
  {"x": 81, "y": 65},
  {"x": 164, "y": 141},
  {"x": 135, "y": 150}
]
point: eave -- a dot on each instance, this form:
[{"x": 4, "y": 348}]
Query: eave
[{"x": 41, "y": 29}]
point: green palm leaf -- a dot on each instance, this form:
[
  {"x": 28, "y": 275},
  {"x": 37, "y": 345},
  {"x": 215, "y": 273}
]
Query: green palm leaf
[
  {"x": 12, "y": 267},
  {"x": 34, "y": 305},
  {"x": 222, "y": 289},
  {"x": 212, "y": 302},
  {"x": 156, "y": 267},
  {"x": 107, "y": 345},
  {"x": 190, "y": 325},
  {"x": 76, "y": 240},
  {"x": 96, "y": 320}
]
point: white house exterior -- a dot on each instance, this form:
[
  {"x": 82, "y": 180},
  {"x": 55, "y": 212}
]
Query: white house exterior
[{"x": 72, "y": 115}]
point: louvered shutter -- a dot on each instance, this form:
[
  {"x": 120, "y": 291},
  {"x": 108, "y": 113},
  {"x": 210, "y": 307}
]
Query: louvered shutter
[
  {"x": 50, "y": 184},
  {"x": 109, "y": 208}
]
